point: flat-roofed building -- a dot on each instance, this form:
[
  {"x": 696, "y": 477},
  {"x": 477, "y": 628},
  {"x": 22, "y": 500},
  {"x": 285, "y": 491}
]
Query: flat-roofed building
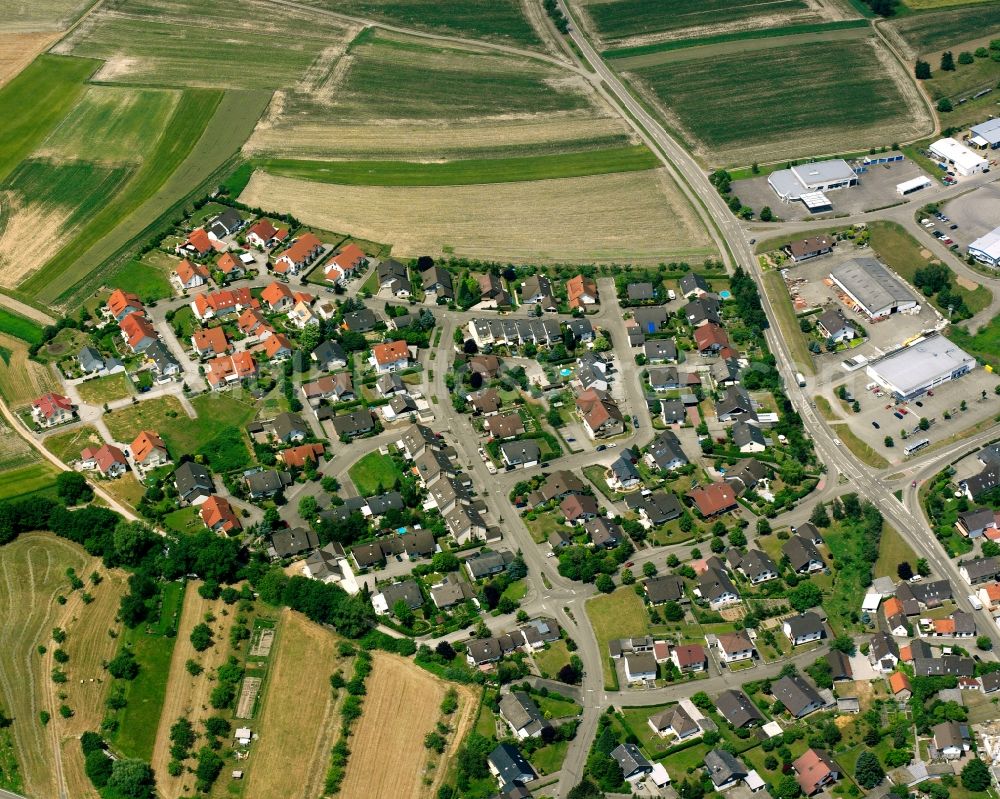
[
  {"x": 959, "y": 157},
  {"x": 818, "y": 176},
  {"x": 986, "y": 134},
  {"x": 986, "y": 249},
  {"x": 873, "y": 288},
  {"x": 914, "y": 370}
]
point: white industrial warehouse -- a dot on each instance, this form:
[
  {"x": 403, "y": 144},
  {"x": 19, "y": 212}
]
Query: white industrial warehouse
[
  {"x": 913, "y": 370},
  {"x": 805, "y": 179},
  {"x": 961, "y": 158},
  {"x": 986, "y": 249},
  {"x": 872, "y": 288},
  {"x": 986, "y": 134}
]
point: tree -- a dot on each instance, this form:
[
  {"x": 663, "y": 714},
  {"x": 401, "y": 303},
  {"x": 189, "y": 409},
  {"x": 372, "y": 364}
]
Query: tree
[
  {"x": 124, "y": 666},
  {"x": 888, "y": 441},
  {"x": 965, "y": 57},
  {"x": 201, "y": 637},
  {"x": 672, "y": 611},
  {"x": 922, "y": 70},
  {"x": 73, "y": 488},
  {"x": 132, "y": 779},
  {"x": 649, "y": 569},
  {"x": 944, "y": 106},
  {"x": 307, "y": 508},
  {"x": 98, "y": 767},
  {"x": 628, "y": 578},
  {"x": 868, "y": 771},
  {"x": 804, "y": 596},
  {"x": 445, "y": 650},
  {"x": 975, "y": 775},
  {"x": 604, "y": 583},
  {"x": 904, "y": 571},
  {"x": 947, "y": 61},
  {"x": 788, "y": 787},
  {"x": 402, "y": 612},
  {"x": 585, "y": 790},
  {"x": 819, "y": 516},
  {"x": 984, "y": 642},
  {"x": 766, "y": 215},
  {"x": 923, "y": 567},
  {"x": 924, "y": 423}
]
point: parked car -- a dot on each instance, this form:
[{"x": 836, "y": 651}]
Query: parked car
[
  {"x": 602, "y": 447},
  {"x": 876, "y": 425},
  {"x": 953, "y": 227}
]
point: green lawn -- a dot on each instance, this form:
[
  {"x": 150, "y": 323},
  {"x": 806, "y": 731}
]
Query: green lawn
[
  {"x": 985, "y": 344},
  {"x": 466, "y": 172},
  {"x": 374, "y": 473},
  {"x": 556, "y": 708},
  {"x": 862, "y": 451},
  {"x": 184, "y": 521},
  {"x": 848, "y": 581},
  {"x": 149, "y": 277},
  {"x": 105, "y": 389},
  {"x": 543, "y": 526},
  {"x": 617, "y": 615},
  {"x": 25, "y": 480},
  {"x": 66, "y": 446},
  {"x": 516, "y": 590},
  {"x": 549, "y": 759},
  {"x": 550, "y": 660},
  {"x": 774, "y": 285},
  {"x": 19, "y": 327},
  {"x": 893, "y": 550},
  {"x": 42, "y": 94},
  {"x": 136, "y": 734}
]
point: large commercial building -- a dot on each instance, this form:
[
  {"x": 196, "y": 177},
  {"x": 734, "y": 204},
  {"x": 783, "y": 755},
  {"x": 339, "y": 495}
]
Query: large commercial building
[
  {"x": 986, "y": 249},
  {"x": 819, "y": 176},
  {"x": 873, "y": 288},
  {"x": 986, "y": 134},
  {"x": 959, "y": 157},
  {"x": 911, "y": 371}
]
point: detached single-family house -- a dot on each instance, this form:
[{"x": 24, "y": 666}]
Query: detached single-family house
[
  {"x": 834, "y": 326},
  {"x": 52, "y": 409},
  {"x": 522, "y": 715},
  {"x": 713, "y": 499},
  {"x": 693, "y": 285},
  {"x": 329, "y": 356},
  {"x": 508, "y": 765},
  {"x": 225, "y": 224},
  {"x": 798, "y": 696},
  {"x": 802, "y": 554},
  {"x": 138, "y": 332},
  {"x": 394, "y": 277},
  {"x": 122, "y": 303},
  {"x": 758, "y": 567},
  {"x": 208, "y": 342},
  {"x": 724, "y": 769},
  {"x": 582, "y": 291},
  {"x": 437, "y": 281},
  {"x": 579, "y": 508},
  {"x": 951, "y": 739},
  {"x": 735, "y": 647},
  {"x": 673, "y": 721},
  {"x": 189, "y": 275},
  {"x": 218, "y": 515},
  {"x": 393, "y": 356},
  {"x": 345, "y": 263},
  {"x": 665, "y": 452},
  {"x": 631, "y": 761},
  {"x": 736, "y": 708},
  {"x": 979, "y": 570},
  {"x": 265, "y": 235},
  {"x": 193, "y": 483},
  {"x": 264, "y": 484},
  {"x": 520, "y": 453},
  {"x": 107, "y": 459},
  {"x": 814, "y": 770},
  {"x": 149, "y": 450},
  {"x": 640, "y": 667},
  {"x": 717, "y": 589},
  {"x": 803, "y": 628},
  {"x": 974, "y": 523},
  {"x": 601, "y": 416},
  {"x": 689, "y": 658}
]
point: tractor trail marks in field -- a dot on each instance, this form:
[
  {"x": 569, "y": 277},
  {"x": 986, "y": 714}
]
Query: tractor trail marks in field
[
  {"x": 635, "y": 216},
  {"x": 187, "y": 695},
  {"x": 32, "y": 574},
  {"x": 275, "y": 768},
  {"x": 400, "y": 707}
]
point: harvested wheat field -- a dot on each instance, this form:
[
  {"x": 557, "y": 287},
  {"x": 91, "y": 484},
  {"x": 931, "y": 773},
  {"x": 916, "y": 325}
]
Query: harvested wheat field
[
  {"x": 638, "y": 217},
  {"x": 401, "y": 706},
  {"x": 18, "y": 50},
  {"x": 22, "y": 380},
  {"x": 32, "y": 575},
  {"x": 275, "y": 768},
  {"x": 186, "y": 695}
]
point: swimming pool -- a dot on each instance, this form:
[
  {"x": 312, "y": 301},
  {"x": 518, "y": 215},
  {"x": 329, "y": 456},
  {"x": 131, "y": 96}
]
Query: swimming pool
[{"x": 565, "y": 372}]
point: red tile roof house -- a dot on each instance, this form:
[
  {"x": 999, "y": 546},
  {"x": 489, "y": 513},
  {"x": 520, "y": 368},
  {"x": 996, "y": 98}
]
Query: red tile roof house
[
  {"x": 302, "y": 454},
  {"x": 138, "y": 332},
  {"x": 279, "y": 297},
  {"x": 815, "y": 770},
  {"x": 108, "y": 460},
  {"x": 254, "y": 326},
  {"x": 226, "y": 370},
  {"x": 582, "y": 291},
  {"x": 277, "y": 347},
  {"x": 338, "y": 387},
  {"x": 52, "y": 409},
  {"x": 713, "y": 499},
  {"x": 217, "y": 515},
  {"x": 189, "y": 275},
  {"x": 264, "y": 235},
  {"x": 689, "y": 657},
  {"x": 710, "y": 338},
  {"x": 578, "y": 508},
  {"x": 344, "y": 263},
  {"x": 198, "y": 242},
  {"x": 302, "y": 253},
  {"x": 231, "y": 266},
  {"x": 210, "y": 341},
  {"x": 220, "y": 303},
  {"x": 601, "y": 416},
  {"x": 391, "y": 357},
  {"x": 149, "y": 450},
  {"x": 121, "y": 303}
]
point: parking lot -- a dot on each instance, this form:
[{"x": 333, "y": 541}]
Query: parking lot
[
  {"x": 885, "y": 413},
  {"x": 876, "y": 189},
  {"x": 975, "y": 213},
  {"x": 810, "y": 287}
]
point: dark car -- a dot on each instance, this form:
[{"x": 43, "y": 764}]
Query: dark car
[
  {"x": 602, "y": 447},
  {"x": 919, "y": 404},
  {"x": 953, "y": 227},
  {"x": 876, "y": 425}
]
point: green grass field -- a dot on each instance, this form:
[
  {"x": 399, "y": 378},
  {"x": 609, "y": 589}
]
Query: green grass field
[
  {"x": 42, "y": 94},
  {"x": 24, "y": 481},
  {"x": 374, "y": 473},
  {"x": 985, "y": 344},
  {"x": 213, "y": 145},
  {"x": 217, "y": 433},
  {"x": 67, "y": 445},
  {"x": 117, "y": 120},
  {"x": 785, "y": 311},
  {"x": 189, "y": 43},
  {"x": 184, "y": 521},
  {"x": 553, "y": 708},
  {"x": 893, "y": 550},
  {"x": 145, "y": 694},
  {"x": 105, "y": 389},
  {"x": 19, "y": 327},
  {"x": 465, "y": 172},
  {"x": 502, "y": 20},
  {"x": 550, "y": 660},
  {"x": 549, "y": 759},
  {"x": 925, "y": 33},
  {"x": 701, "y": 92},
  {"x": 862, "y": 451},
  {"x": 177, "y": 139},
  {"x": 149, "y": 276},
  {"x": 722, "y": 38},
  {"x": 617, "y": 615},
  {"x": 618, "y": 19}
]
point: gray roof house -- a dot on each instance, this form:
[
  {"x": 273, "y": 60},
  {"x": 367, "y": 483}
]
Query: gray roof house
[
  {"x": 522, "y": 715},
  {"x": 329, "y": 355},
  {"x": 658, "y": 350},
  {"x": 748, "y": 437},
  {"x": 487, "y": 563},
  {"x": 692, "y": 284},
  {"x": 640, "y": 292},
  {"x": 407, "y": 591},
  {"x": 293, "y": 541},
  {"x": 267, "y": 483},
  {"x": 758, "y": 567},
  {"x": 631, "y": 761},
  {"x": 450, "y": 592},
  {"x": 90, "y": 360},
  {"x": 520, "y": 453},
  {"x": 803, "y": 628},
  {"x": 657, "y": 508},
  {"x": 802, "y": 554},
  {"x": 736, "y": 708},
  {"x": 508, "y": 765},
  {"x": 665, "y": 452},
  {"x": 667, "y": 588},
  {"x": 735, "y": 405},
  {"x": 288, "y": 427},
  {"x": 352, "y": 424},
  {"x": 724, "y": 768},
  {"x": 797, "y": 695},
  {"x": 193, "y": 482}
]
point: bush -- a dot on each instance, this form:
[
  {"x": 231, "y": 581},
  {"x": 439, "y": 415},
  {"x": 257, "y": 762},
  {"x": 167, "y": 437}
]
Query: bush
[
  {"x": 201, "y": 637},
  {"x": 98, "y": 767}
]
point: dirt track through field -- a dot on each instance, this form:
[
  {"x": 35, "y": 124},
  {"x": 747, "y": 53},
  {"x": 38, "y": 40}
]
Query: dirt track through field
[
  {"x": 298, "y": 706},
  {"x": 638, "y": 217},
  {"x": 187, "y": 696},
  {"x": 401, "y": 706}
]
